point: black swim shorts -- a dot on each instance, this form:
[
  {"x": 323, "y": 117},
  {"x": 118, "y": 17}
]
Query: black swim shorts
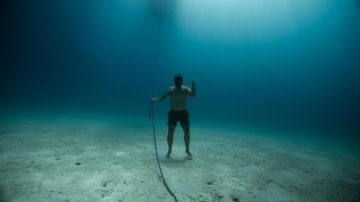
[{"x": 182, "y": 116}]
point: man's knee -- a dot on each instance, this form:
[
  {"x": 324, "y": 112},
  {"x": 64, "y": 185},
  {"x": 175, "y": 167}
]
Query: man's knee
[
  {"x": 171, "y": 129},
  {"x": 186, "y": 129}
]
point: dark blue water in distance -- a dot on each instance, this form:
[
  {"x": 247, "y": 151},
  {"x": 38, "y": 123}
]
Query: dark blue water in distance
[{"x": 274, "y": 64}]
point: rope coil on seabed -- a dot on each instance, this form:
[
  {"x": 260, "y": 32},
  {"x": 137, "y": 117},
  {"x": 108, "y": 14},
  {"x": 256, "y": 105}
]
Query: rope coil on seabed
[{"x": 151, "y": 115}]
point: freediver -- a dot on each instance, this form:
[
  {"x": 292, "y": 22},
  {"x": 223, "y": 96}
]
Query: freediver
[{"x": 178, "y": 95}]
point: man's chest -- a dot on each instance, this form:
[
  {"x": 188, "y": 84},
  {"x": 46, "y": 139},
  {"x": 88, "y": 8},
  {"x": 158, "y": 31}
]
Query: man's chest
[{"x": 178, "y": 95}]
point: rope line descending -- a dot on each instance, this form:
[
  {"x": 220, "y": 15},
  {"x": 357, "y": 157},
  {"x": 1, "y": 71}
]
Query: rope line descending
[
  {"x": 156, "y": 60},
  {"x": 151, "y": 114},
  {"x": 151, "y": 118}
]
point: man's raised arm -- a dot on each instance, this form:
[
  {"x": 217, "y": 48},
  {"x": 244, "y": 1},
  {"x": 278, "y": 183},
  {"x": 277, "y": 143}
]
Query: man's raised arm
[{"x": 193, "y": 89}]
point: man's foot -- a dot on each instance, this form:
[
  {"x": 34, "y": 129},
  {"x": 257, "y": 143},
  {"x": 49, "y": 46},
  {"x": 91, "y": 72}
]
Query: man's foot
[
  {"x": 168, "y": 155},
  {"x": 189, "y": 156}
]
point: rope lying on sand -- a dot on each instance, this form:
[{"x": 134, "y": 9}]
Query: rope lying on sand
[{"x": 151, "y": 117}]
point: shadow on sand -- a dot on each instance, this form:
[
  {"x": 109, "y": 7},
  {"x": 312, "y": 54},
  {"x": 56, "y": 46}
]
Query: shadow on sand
[
  {"x": 174, "y": 161},
  {"x": 2, "y": 195}
]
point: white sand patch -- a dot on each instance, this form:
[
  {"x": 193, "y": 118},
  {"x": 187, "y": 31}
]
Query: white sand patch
[{"x": 119, "y": 154}]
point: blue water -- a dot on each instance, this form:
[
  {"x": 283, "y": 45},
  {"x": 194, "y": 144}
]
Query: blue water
[{"x": 269, "y": 65}]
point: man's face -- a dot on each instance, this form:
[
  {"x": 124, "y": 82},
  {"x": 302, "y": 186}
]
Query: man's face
[{"x": 178, "y": 82}]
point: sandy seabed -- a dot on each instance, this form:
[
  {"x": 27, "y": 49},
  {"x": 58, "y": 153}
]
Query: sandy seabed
[{"x": 84, "y": 161}]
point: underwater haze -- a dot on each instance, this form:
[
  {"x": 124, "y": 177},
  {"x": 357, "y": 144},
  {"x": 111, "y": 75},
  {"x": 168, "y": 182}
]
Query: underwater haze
[
  {"x": 270, "y": 64},
  {"x": 275, "y": 117}
]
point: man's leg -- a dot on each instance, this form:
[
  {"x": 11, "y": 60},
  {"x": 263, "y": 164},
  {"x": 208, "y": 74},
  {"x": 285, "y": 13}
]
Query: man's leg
[
  {"x": 187, "y": 139},
  {"x": 170, "y": 138}
]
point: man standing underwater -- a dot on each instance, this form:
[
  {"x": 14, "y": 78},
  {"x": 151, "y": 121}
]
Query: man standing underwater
[{"x": 178, "y": 95}]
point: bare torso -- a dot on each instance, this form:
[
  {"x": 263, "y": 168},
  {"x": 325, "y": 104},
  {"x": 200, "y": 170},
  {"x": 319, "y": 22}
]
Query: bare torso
[{"x": 178, "y": 97}]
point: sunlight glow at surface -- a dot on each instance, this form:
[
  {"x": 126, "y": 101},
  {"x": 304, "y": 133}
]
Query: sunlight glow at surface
[{"x": 248, "y": 19}]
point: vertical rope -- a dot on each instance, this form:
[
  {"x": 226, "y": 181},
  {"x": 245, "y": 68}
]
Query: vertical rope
[
  {"x": 151, "y": 112},
  {"x": 156, "y": 59}
]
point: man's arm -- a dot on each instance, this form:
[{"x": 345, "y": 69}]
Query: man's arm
[
  {"x": 158, "y": 99},
  {"x": 193, "y": 89}
]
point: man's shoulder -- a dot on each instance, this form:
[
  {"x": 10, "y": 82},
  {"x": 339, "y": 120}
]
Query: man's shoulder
[
  {"x": 170, "y": 89},
  {"x": 173, "y": 88},
  {"x": 185, "y": 88}
]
